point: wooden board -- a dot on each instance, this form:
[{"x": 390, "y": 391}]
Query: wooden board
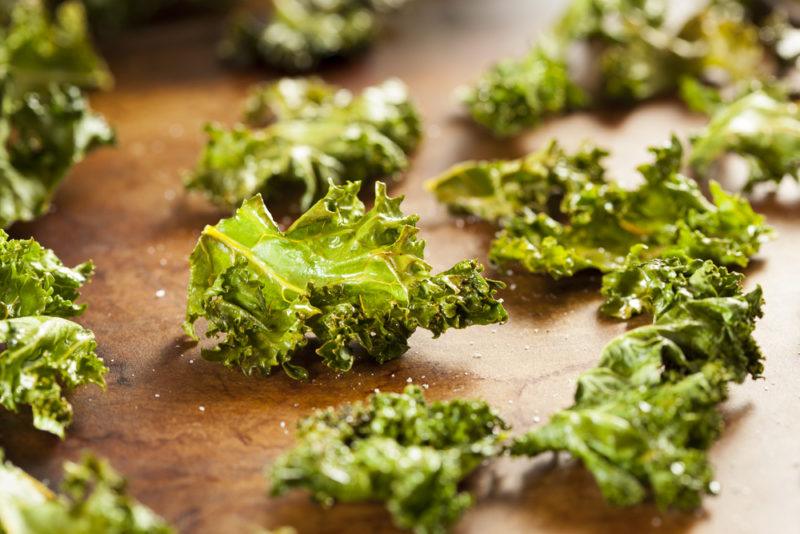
[{"x": 202, "y": 469}]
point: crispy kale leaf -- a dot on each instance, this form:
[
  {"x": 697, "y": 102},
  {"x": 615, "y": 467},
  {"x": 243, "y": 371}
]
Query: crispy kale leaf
[
  {"x": 33, "y": 281},
  {"x": 497, "y": 190},
  {"x": 654, "y": 286},
  {"x": 301, "y": 34},
  {"x": 46, "y": 125},
  {"x": 43, "y": 354},
  {"x": 559, "y": 215},
  {"x": 347, "y": 275},
  {"x": 317, "y": 134},
  {"x": 641, "y": 439},
  {"x": 93, "y": 499},
  {"x": 604, "y": 221},
  {"x": 395, "y": 448},
  {"x": 644, "y": 419},
  {"x": 518, "y": 94},
  {"x": 760, "y": 127},
  {"x": 631, "y": 53},
  {"x": 41, "y": 49}
]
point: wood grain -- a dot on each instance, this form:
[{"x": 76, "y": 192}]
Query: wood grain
[{"x": 126, "y": 209}]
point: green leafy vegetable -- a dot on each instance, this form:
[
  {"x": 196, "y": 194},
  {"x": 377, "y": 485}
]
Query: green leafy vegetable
[
  {"x": 46, "y": 125},
  {"x": 347, "y": 275},
  {"x": 760, "y": 127},
  {"x": 318, "y": 134},
  {"x": 43, "y": 355},
  {"x": 33, "y": 281},
  {"x": 598, "y": 222},
  {"x": 632, "y": 54},
  {"x": 94, "y": 499},
  {"x": 700, "y": 97},
  {"x": 301, "y": 34},
  {"x": 519, "y": 94},
  {"x": 498, "y": 190},
  {"x": 644, "y": 419},
  {"x": 654, "y": 286},
  {"x": 395, "y": 448}
]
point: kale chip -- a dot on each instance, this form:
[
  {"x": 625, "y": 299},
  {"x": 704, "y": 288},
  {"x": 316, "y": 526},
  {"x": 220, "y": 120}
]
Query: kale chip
[
  {"x": 347, "y": 275},
  {"x": 93, "y": 499},
  {"x": 43, "y": 354},
  {"x": 316, "y": 134},
  {"x": 762, "y": 128},
  {"x": 394, "y": 448},
  {"x": 301, "y": 34},
  {"x": 46, "y": 124}
]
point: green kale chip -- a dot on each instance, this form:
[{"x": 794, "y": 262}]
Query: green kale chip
[
  {"x": 40, "y": 49},
  {"x": 640, "y": 439},
  {"x": 653, "y": 286},
  {"x": 43, "y": 355},
  {"x": 520, "y": 93},
  {"x": 644, "y": 419},
  {"x": 316, "y": 134},
  {"x": 94, "y": 499},
  {"x": 33, "y": 281},
  {"x": 762, "y": 128},
  {"x": 497, "y": 190},
  {"x": 604, "y": 221},
  {"x": 347, "y": 275},
  {"x": 301, "y": 34},
  {"x": 631, "y": 53},
  {"x": 395, "y": 448},
  {"x": 560, "y": 215},
  {"x": 46, "y": 125}
]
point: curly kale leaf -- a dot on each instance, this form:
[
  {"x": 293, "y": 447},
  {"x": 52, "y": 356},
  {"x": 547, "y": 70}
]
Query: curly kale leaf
[
  {"x": 763, "y": 129},
  {"x": 40, "y": 49},
  {"x": 46, "y": 125},
  {"x": 94, "y": 499},
  {"x": 43, "y": 357},
  {"x": 520, "y": 93},
  {"x": 396, "y": 448},
  {"x": 653, "y": 286},
  {"x": 631, "y": 54},
  {"x": 585, "y": 19},
  {"x": 347, "y": 275},
  {"x": 726, "y": 45},
  {"x": 386, "y": 107},
  {"x": 604, "y": 221},
  {"x": 644, "y": 419},
  {"x": 43, "y": 354},
  {"x": 319, "y": 134},
  {"x": 497, "y": 190},
  {"x": 33, "y": 281},
  {"x": 640, "y": 439},
  {"x": 301, "y": 34},
  {"x": 44, "y": 134}
]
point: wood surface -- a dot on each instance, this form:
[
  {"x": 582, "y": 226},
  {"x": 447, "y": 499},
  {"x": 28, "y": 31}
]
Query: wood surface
[{"x": 194, "y": 437}]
